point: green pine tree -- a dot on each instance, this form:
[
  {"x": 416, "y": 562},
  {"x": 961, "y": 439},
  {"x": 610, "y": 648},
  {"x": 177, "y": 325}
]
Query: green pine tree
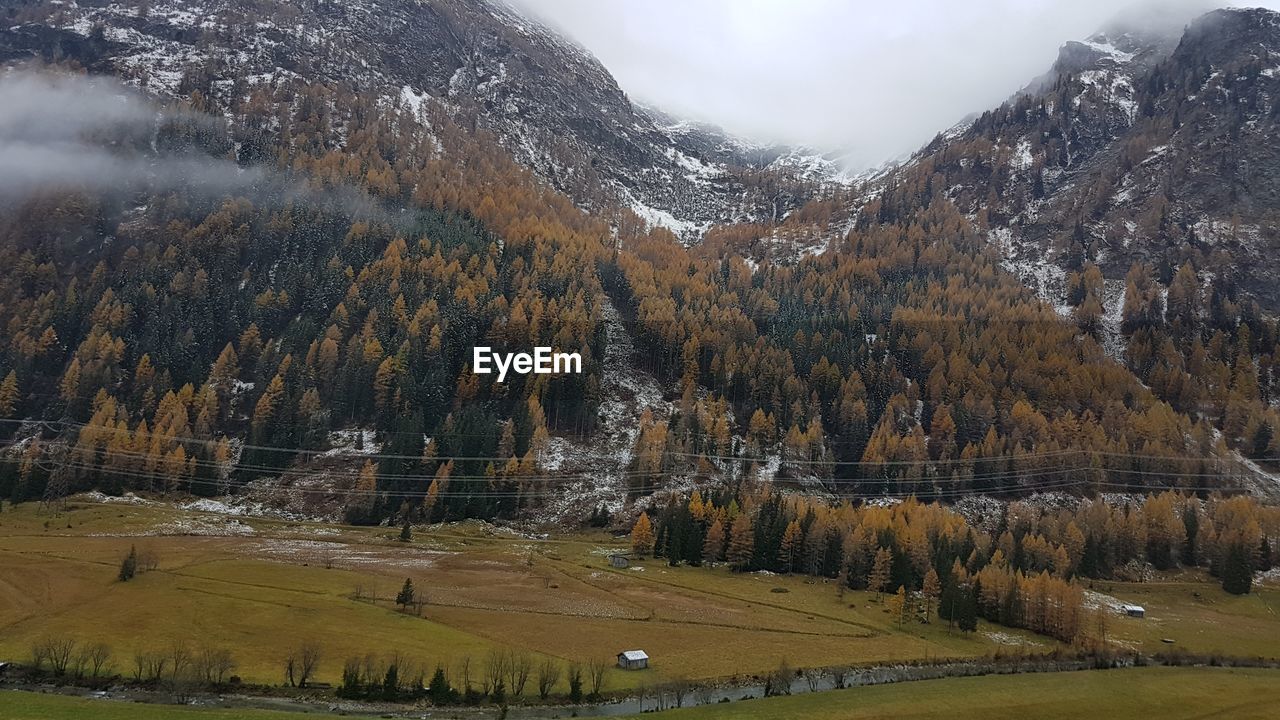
[
  {"x": 129, "y": 567},
  {"x": 405, "y": 597},
  {"x": 1237, "y": 574}
]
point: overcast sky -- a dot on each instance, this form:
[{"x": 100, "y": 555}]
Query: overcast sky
[{"x": 877, "y": 78}]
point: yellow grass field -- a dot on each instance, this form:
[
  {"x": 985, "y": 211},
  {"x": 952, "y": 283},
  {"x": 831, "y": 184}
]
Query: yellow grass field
[{"x": 261, "y": 587}]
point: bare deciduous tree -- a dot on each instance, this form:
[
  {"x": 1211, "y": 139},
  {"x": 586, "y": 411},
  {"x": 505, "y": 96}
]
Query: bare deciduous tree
[
  {"x": 58, "y": 651},
  {"x": 779, "y": 681},
  {"x": 680, "y": 688},
  {"x": 519, "y": 665},
  {"x": 301, "y": 663},
  {"x": 309, "y": 655},
  {"x": 80, "y": 665},
  {"x": 213, "y": 665},
  {"x": 464, "y": 672},
  {"x": 39, "y": 654},
  {"x": 595, "y": 673},
  {"x": 99, "y": 656},
  {"x": 149, "y": 666},
  {"x": 548, "y": 676},
  {"x": 813, "y": 677},
  {"x": 495, "y": 669},
  {"x": 179, "y": 659}
]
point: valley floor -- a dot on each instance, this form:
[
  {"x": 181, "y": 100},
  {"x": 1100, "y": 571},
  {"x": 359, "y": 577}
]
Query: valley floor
[{"x": 261, "y": 587}]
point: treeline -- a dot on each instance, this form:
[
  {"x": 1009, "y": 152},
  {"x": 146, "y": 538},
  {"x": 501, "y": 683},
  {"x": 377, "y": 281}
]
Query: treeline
[
  {"x": 179, "y": 666},
  {"x": 503, "y": 677},
  {"x": 1020, "y": 571}
]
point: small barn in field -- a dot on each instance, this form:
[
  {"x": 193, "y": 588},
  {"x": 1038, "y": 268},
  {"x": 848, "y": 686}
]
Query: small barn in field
[
  {"x": 1136, "y": 611},
  {"x": 633, "y": 660},
  {"x": 620, "y": 560}
]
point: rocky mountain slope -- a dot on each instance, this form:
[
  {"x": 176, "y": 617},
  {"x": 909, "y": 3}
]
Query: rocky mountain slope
[
  {"x": 1137, "y": 146},
  {"x": 550, "y": 103}
]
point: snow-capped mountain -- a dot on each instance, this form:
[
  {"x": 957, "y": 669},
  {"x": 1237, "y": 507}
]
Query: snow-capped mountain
[
  {"x": 549, "y": 102},
  {"x": 1137, "y": 146}
]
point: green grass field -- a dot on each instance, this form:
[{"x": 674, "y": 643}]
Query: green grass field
[{"x": 1165, "y": 693}]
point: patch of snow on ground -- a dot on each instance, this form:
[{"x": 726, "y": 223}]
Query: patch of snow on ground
[
  {"x": 1032, "y": 266},
  {"x": 127, "y": 499},
  {"x": 1094, "y": 600},
  {"x": 1022, "y": 159},
  {"x": 767, "y": 472},
  {"x": 687, "y": 230},
  {"x": 1002, "y": 638},
  {"x": 357, "y": 441},
  {"x": 344, "y": 555},
  {"x": 205, "y": 526}
]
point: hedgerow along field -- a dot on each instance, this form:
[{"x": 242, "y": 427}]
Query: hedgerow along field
[
  {"x": 1169, "y": 693},
  {"x": 261, "y": 587}
]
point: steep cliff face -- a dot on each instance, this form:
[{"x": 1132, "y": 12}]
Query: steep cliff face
[{"x": 551, "y": 104}]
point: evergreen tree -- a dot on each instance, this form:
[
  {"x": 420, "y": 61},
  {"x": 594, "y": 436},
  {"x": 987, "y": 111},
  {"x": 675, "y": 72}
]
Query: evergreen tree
[
  {"x": 438, "y": 689},
  {"x": 129, "y": 567},
  {"x": 391, "y": 681},
  {"x": 405, "y": 597},
  {"x": 1237, "y": 575},
  {"x": 575, "y": 683}
]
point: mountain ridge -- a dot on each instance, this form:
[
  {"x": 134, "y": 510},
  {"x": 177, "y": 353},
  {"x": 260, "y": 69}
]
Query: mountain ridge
[{"x": 550, "y": 102}]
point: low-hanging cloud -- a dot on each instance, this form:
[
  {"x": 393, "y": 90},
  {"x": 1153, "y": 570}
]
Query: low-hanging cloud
[
  {"x": 874, "y": 78},
  {"x": 93, "y": 134}
]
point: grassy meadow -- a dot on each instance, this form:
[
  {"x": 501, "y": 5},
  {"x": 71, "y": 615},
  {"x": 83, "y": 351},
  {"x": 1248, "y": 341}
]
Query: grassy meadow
[{"x": 262, "y": 587}]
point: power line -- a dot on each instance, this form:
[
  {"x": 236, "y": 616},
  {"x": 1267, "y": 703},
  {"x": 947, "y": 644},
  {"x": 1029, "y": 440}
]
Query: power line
[{"x": 688, "y": 455}]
